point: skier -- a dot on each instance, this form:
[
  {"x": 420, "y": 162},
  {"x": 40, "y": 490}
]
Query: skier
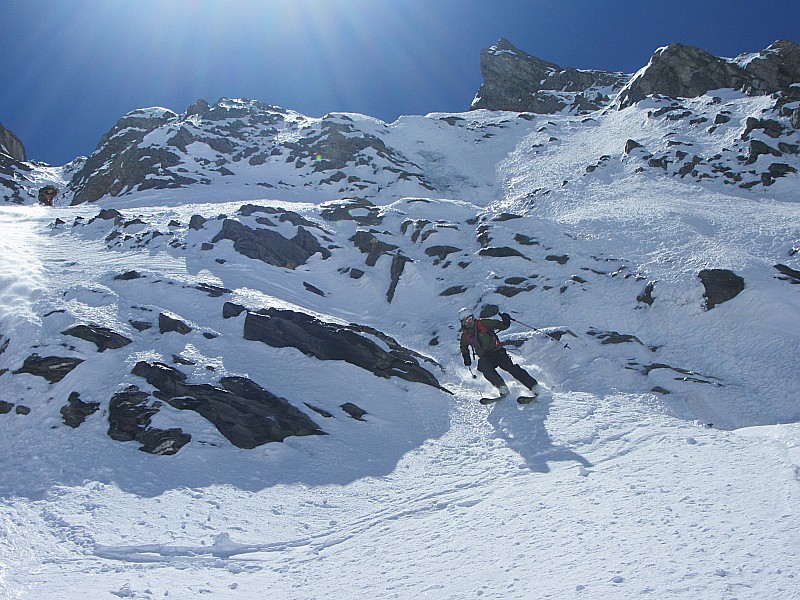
[
  {"x": 479, "y": 334},
  {"x": 47, "y": 195}
]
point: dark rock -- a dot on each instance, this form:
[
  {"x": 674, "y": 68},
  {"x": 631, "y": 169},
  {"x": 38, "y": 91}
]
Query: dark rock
[
  {"x": 22, "y": 410},
  {"x": 129, "y": 418},
  {"x": 167, "y": 324},
  {"x": 441, "y": 252},
  {"x": 245, "y": 413},
  {"x": 789, "y": 274},
  {"x": 5, "y": 407},
  {"x": 270, "y": 246},
  {"x": 231, "y": 310},
  {"x": 318, "y": 410},
  {"x": 129, "y": 413},
  {"x": 398, "y": 265},
  {"x": 75, "y": 412},
  {"x": 329, "y": 341},
  {"x": 128, "y": 276},
  {"x": 11, "y": 145},
  {"x": 630, "y": 145},
  {"x": 313, "y": 289},
  {"x": 771, "y": 127},
  {"x": 352, "y": 211},
  {"x": 501, "y": 253},
  {"x": 214, "y": 291},
  {"x": 525, "y": 240},
  {"x": 102, "y": 337},
  {"x": 371, "y": 246},
  {"x": 721, "y": 285},
  {"x": 354, "y": 411},
  {"x": 561, "y": 259},
  {"x": 197, "y": 222},
  {"x": 680, "y": 71},
  {"x": 516, "y": 81},
  {"x": 613, "y": 337},
  {"x": 141, "y": 325},
  {"x": 52, "y": 368},
  {"x": 646, "y": 295},
  {"x": 759, "y": 148},
  {"x": 454, "y": 290}
]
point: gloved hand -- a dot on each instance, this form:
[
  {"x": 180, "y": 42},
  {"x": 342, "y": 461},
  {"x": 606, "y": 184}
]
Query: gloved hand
[{"x": 506, "y": 318}]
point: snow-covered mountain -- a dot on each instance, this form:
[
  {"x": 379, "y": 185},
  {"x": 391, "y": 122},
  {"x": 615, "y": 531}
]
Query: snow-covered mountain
[{"x": 229, "y": 360}]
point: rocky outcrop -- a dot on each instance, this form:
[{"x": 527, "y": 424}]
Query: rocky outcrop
[
  {"x": 329, "y": 341},
  {"x": 270, "y": 246},
  {"x": 11, "y": 145},
  {"x": 721, "y": 285},
  {"x": 129, "y": 416},
  {"x": 15, "y": 183},
  {"x": 245, "y": 413},
  {"x": 516, "y": 81},
  {"x": 76, "y": 410},
  {"x": 209, "y": 143},
  {"x": 120, "y": 164},
  {"x": 680, "y": 71},
  {"x": 52, "y": 368},
  {"x": 102, "y": 337}
]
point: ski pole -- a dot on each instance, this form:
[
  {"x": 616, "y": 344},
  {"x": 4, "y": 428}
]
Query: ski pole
[{"x": 538, "y": 331}]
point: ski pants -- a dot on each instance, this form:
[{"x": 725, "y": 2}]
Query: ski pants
[{"x": 499, "y": 359}]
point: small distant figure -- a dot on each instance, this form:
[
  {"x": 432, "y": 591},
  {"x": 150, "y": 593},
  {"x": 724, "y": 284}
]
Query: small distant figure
[{"x": 47, "y": 195}]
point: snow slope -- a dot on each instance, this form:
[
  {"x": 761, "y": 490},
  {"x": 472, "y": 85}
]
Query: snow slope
[{"x": 604, "y": 488}]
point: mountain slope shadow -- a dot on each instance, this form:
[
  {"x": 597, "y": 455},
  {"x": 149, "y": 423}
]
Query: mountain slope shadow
[{"x": 524, "y": 430}]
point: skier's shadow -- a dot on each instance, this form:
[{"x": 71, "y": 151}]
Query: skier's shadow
[{"x": 524, "y": 430}]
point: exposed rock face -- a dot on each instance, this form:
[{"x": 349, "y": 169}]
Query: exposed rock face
[
  {"x": 120, "y": 163},
  {"x": 245, "y": 413},
  {"x": 235, "y": 136},
  {"x": 52, "y": 368},
  {"x": 129, "y": 417},
  {"x": 270, "y": 246},
  {"x": 516, "y": 81},
  {"x": 102, "y": 337},
  {"x": 14, "y": 183},
  {"x": 721, "y": 285},
  {"x": 11, "y": 145},
  {"x": 76, "y": 410},
  {"x": 327, "y": 341},
  {"x": 680, "y": 71}
]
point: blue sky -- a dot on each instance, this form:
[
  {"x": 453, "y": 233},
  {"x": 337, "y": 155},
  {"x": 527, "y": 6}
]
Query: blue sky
[{"x": 79, "y": 65}]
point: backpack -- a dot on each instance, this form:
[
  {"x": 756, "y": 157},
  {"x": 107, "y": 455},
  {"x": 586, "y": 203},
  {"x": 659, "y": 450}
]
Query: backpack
[{"x": 480, "y": 327}]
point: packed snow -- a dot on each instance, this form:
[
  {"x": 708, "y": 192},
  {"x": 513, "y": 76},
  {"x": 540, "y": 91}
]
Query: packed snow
[{"x": 603, "y": 488}]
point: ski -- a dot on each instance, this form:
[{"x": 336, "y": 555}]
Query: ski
[
  {"x": 520, "y": 399},
  {"x": 491, "y": 400}
]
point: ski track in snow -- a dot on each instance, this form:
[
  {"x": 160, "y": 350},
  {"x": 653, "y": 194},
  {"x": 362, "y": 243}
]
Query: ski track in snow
[{"x": 597, "y": 490}]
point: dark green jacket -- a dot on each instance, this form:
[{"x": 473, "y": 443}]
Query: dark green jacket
[{"x": 482, "y": 340}]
